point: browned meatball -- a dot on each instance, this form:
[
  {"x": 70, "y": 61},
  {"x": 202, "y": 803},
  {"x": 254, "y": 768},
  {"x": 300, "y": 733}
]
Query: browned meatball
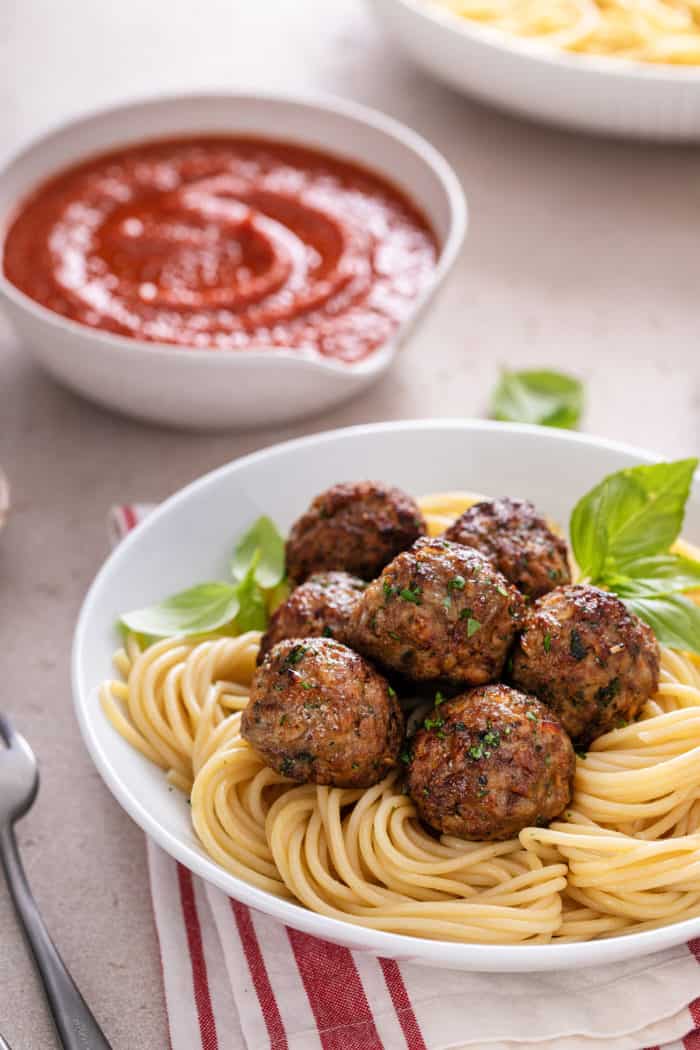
[
  {"x": 585, "y": 656},
  {"x": 489, "y": 763},
  {"x": 438, "y": 611},
  {"x": 357, "y": 526},
  {"x": 320, "y": 607},
  {"x": 318, "y": 713},
  {"x": 518, "y": 541}
]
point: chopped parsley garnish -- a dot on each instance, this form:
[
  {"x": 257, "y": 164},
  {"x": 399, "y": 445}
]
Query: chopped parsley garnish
[
  {"x": 476, "y": 752},
  {"x": 547, "y": 643},
  {"x": 388, "y": 589},
  {"x": 457, "y": 583},
  {"x": 491, "y": 737},
  {"x": 438, "y": 698},
  {"x": 405, "y": 756},
  {"x": 294, "y": 655},
  {"x": 472, "y": 626},
  {"x": 394, "y": 635},
  {"x": 307, "y": 685},
  {"x": 501, "y": 590},
  {"x": 433, "y": 723},
  {"x": 283, "y": 719},
  {"x": 391, "y": 691},
  {"x": 355, "y": 765},
  {"x": 411, "y": 594},
  {"x": 532, "y": 716},
  {"x": 327, "y": 632}
]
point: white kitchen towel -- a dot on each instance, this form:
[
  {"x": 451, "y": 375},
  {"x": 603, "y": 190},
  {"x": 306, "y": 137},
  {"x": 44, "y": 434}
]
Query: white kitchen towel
[{"x": 236, "y": 979}]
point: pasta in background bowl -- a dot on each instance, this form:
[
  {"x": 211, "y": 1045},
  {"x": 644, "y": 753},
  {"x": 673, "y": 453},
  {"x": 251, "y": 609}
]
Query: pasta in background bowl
[
  {"x": 630, "y": 70},
  {"x": 188, "y": 539}
]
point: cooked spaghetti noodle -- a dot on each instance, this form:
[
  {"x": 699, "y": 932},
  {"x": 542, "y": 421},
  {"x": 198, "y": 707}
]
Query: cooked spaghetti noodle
[
  {"x": 625, "y": 856},
  {"x": 656, "y": 31}
]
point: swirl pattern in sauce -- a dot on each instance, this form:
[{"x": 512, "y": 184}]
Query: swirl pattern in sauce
[{"x": 227, "y": 243}]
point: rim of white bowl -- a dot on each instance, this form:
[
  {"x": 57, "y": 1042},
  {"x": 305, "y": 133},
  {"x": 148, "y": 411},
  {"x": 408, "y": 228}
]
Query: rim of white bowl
[
  {"x": 492, "y": 957},
  {"x": 540, "y": 51},
  {"x": 327, "y": 103}
]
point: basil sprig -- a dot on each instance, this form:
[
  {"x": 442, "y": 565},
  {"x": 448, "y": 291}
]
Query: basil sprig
[
  {"x": 621, "y": 535},
  {"x": 257, "y": 567},
  {"x": 538, "y": 395}
]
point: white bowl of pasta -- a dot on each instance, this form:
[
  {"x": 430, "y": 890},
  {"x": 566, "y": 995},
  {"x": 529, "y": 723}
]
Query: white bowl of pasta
[
  {"x": 170, "y": 717},
  {"x": 610, "y": 69}
]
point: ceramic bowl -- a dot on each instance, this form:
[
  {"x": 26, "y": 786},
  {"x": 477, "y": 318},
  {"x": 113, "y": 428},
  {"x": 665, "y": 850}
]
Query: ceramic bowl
[
  {"x": 613, "y": 96},
  {"x": 211, "y": 388},
  {"x": 189, "y": 538}
]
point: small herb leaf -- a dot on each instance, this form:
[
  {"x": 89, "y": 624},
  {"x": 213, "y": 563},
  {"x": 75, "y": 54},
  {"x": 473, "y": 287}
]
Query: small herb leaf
[
  {"x": 252, "y": 612},
  {"x": 633, "y": 514},
  {"x": 263, "y": 546},
  {"x": 194, "y": 611},
  {"x": 538, "y": 396},
  {"x": 675, "y": 620}
]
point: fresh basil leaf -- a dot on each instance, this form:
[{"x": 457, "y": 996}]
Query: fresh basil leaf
[
  {"x": 538, "y": 396},
  {"x": 194, "y": 611},
  {"x": 661, "y": 574},
  {"x": 675, "y": 620},
  {"x": 264, "y": 540},
  {"x": 252, "y": 611},
  {"x": 635, "y": 513}
]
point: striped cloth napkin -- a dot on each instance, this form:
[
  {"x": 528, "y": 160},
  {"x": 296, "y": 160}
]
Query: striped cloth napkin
[{"x": 238, "y": 980}]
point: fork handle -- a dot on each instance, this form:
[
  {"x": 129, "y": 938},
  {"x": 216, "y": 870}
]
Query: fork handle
[{"x": 77, "y": 1028}]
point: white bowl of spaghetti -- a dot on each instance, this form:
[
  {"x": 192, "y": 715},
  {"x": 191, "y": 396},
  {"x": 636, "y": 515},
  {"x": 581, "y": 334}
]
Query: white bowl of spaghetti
[
  {"x": 625, "y": 69},
  {"x": 174, "y": 708}
]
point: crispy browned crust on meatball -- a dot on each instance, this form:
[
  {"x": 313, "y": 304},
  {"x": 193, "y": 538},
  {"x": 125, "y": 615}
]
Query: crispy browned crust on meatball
[
  {"x": 489, "y": 763},
  {"x": 318, "y": 713},
  {"x": 320, "y": 607},
  {"x": 438, "y": 611},
  {"x": 356, "y": 526},
  {"x": 590, "y": 660},
  {"x": 518, "y": 541}
]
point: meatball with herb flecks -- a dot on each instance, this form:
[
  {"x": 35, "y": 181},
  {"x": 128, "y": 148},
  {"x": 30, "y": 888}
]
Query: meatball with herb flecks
[
  {"x": 518, "y": 541},
  {"x": 318, "y": 713},
  {"x": 320, "y": 607},
  {"x": 489, "y": 763},
  {"x": 590, "y": 660},
  {"x": 356, "y": 526},
  {"x": 438, "y": 611}
]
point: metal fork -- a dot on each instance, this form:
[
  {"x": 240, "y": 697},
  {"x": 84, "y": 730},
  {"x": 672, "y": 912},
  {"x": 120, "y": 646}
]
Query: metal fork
[{"x": 19, "y": 784}]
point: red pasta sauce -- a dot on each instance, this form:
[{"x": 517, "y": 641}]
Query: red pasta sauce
[{"x": 224, "y": 243}]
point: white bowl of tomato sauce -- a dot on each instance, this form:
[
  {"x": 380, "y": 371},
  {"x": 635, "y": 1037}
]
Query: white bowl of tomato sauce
[{"x": 224, "y": 260}]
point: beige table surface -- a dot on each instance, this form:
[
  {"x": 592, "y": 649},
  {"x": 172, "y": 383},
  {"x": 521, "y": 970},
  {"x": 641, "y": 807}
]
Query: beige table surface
[{"x": 581, "y": 253}]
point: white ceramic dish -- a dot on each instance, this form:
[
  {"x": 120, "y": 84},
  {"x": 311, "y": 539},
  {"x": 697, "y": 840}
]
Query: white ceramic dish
[
  {"x": 589, "y": 93},
  {"x": 206, "y": 388},
  {"x": 188, "y": 539}
]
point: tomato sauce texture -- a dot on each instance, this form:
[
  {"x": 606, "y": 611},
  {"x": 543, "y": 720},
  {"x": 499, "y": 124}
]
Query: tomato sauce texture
[{"x": 230, "y": 243}]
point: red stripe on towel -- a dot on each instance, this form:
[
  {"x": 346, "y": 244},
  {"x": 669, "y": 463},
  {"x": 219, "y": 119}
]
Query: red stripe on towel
[
  {"x": 402, "y": 1004},
  {"x": 336, "y": 995},
  {"x": 200, "y": 981},
  {"x": 259, "y": 974}
]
